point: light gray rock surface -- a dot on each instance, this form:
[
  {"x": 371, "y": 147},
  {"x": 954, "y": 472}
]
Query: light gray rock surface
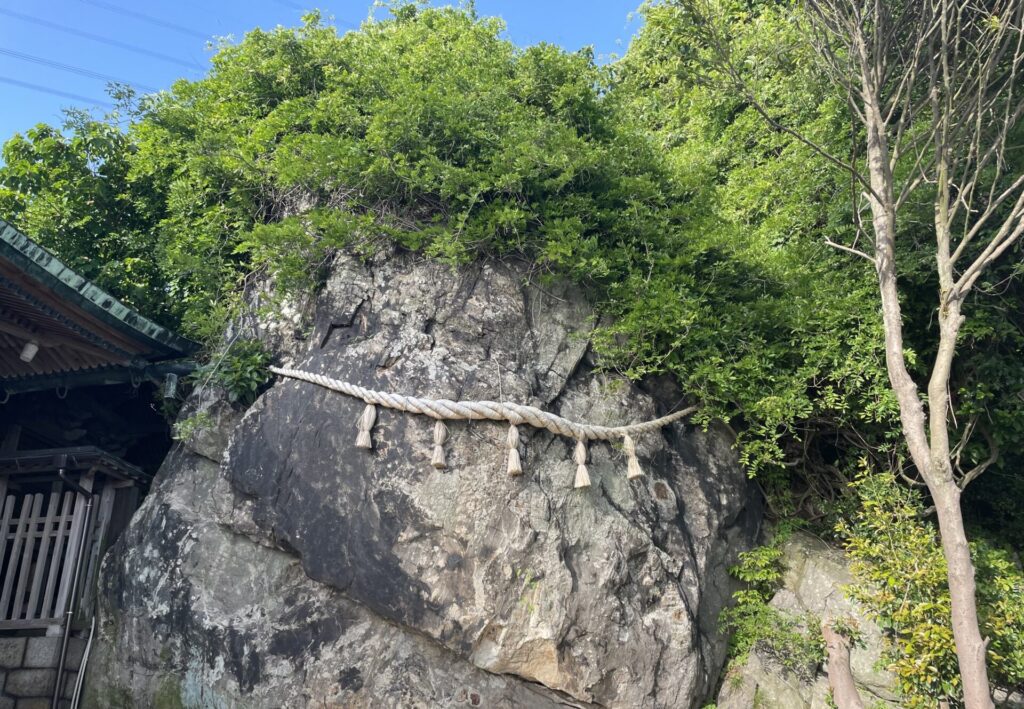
[
  {"x": 293, "y": 569},
  {"x": 815, "y": 575}
]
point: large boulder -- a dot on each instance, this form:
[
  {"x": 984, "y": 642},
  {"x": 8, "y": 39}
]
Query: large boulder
[
  {"x": 290, "y": 568},
  {"x": 813, "y": 586}
]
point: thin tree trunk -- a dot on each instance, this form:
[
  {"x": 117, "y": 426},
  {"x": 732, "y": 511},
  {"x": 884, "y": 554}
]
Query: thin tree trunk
[
  {"x": 930, "y": 457},
  {"x": 970, "y": 647},
  {"x": 840, "y": 677}
]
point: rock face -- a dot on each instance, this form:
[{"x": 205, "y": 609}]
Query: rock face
[
  {"x": 290, "y": 568},
  {"x": 813, "y": 584}
]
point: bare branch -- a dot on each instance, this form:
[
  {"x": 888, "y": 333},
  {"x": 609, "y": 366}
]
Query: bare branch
[
  {"x": 1005, "y": 237},
  {"x": 982, "y": 219},
  {"x": 849, "y": 250},
  {"x": 981, "y": 467}
]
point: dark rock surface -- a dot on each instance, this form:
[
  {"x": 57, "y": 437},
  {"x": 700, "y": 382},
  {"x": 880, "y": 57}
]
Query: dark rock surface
[{"x": 293, "y": 569}]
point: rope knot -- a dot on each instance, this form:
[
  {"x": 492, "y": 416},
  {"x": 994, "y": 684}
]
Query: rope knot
[
  {"x": 580, "y": 458},
  {"x": 515, "y": 465},
  {"x": 366, "y": 421},
  {"x": 633, "y": 469},
  {"x": 440, "y": 436}
]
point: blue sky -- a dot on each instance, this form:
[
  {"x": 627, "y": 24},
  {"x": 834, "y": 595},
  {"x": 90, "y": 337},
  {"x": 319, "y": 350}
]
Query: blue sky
[{"x": 151, "y": 43}]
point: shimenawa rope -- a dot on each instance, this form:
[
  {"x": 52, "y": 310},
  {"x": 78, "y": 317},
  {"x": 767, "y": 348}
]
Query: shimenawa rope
[{"x": 515, "y": 414}]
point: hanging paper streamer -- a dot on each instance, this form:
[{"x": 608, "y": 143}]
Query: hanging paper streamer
[
  {"x": 366, "y": 421},
  {"x": 580, "y": 456},
  {"x": 633, "y": 469},
  {"x": 440, "y": 436}
]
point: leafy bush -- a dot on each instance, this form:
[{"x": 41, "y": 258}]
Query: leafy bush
[
  {"x": 901, "y": 580},
  {"x": 189, "y": 426},
  {"x": 738, "y": 299},
  {"x": 427, "y": 130},
  {"x": 792, "y": 641},
  {"x": 241, "y": 370}
]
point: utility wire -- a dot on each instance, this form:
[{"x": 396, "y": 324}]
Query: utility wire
[
  {"x": 55, "y": 92},
  {"x": 73, "y": 69},
  {"x": 110, "y": 7},
  {"x": 97, "y": 38},
  {"x": 292, "y": 5},
  {"x": 302, "y": 8}
]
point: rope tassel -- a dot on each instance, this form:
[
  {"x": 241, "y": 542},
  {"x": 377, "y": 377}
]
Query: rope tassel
[
  {"x": 580, "y": 457},
  {"x": 440, "y": 436},
  {"x": 633, "y": 469},
  {"x": 366, "y": 421},
  {"x": 515, "y": 465}
]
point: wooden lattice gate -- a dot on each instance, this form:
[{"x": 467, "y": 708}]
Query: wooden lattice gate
[{"x": 40, "y": 537}]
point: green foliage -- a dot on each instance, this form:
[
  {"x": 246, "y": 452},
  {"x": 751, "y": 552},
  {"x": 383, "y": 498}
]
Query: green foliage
[
  {"x": 241, "y": 370},
  {"x": 901, "y": 580},
  {"x": 792, "y": 641},
  {"x": 187, "y": 427},
  {"x": 761, "y": 568},
  {"x": 71, "y": 191},
  {"x": 739, "y": 298},
  {"x": 427, "y": 130},
  {"x": 849, "y": 628},
  {"x": 528, "y": 589}
]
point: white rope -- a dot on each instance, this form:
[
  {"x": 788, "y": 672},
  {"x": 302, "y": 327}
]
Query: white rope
[{"x": 445, "y": 409}]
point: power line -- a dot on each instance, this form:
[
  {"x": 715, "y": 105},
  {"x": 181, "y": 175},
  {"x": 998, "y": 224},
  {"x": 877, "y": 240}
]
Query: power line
[
  {"x": 55, "y": 92},
  {"x": 292, "y": 5},
  {"x": 110, "y": 7},
  {"x": 73, "y": 69},
  {"x": 302, "y": 8},
  {"x": 97, "y": 38}
]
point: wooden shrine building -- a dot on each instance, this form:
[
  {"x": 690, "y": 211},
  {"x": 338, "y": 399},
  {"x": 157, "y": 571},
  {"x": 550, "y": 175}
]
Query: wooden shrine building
[{"x": 82, "y": 378}]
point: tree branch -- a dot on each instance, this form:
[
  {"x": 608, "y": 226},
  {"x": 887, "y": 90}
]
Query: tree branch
[
  {"x": 849, "y": 250},
  {"x": 993, "y": 457}
]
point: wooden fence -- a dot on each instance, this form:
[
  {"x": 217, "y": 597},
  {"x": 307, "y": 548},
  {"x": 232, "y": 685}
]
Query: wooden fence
[{"x": 39, "y": 538}]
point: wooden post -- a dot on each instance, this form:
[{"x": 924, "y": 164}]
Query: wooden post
[
  {"x": 12, "y": 563},
  {"x": 61, "y": 533},
  {"x": 78, "y": 528},
  {"x": 48, "y": 535},
  {"x": 97, "y": 543}
]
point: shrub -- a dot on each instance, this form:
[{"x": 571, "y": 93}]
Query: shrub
[
  {"x": 241, "y": 370},
  {"x": 791, "y": 640},
  {"x": 901, "y": 580}
]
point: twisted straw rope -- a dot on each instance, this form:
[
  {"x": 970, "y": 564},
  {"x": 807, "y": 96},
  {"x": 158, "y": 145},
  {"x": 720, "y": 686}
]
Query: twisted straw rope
[{"x": 445, "y": 409}]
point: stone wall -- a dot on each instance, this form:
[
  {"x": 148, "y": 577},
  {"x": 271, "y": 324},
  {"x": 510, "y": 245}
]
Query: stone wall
[{"x": 28, "y": 666}]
